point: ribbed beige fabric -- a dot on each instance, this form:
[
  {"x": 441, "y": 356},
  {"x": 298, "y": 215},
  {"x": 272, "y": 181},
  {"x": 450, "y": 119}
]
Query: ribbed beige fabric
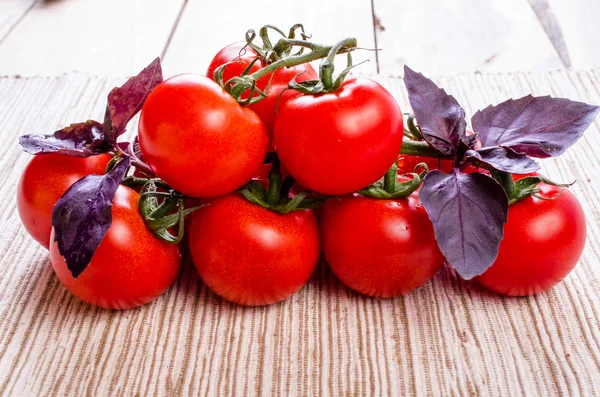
[{"x": 449, "y": 338}]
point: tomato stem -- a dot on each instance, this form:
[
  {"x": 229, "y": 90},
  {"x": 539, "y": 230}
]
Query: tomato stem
[
  {"x": 327, "y": 65},
  {"x": 413, "y": 128},
  {"x": 274, "y": 190},
  {"x": 390, "y": 178},
  {"x": 270, "y": 157},
  {"x": 507, "y": 182},
  {"x": 420, "y": 148},
  {"x": 241, "y": 84},
  {"x": 133, "y": 181},
  {"x": 286, "y": 186}
]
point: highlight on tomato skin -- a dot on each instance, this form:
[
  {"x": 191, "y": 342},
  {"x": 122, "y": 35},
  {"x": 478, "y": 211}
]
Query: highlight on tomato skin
[
  {"x": 250, "y": 255},
  {"x": 543, "y": 241},
  {"x": 131, "y": 267},
  {"x": 380, "y": 248},
  {"x": 44, "y": 180}
]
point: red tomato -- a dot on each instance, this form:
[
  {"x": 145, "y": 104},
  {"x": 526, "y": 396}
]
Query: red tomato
[
  {"x": 130, "y": 268},
  {"x": 543, "y": 240},
  {"x": 198, "y": 139},
  {"x": 339, "y": 142},
  {"x": 279, "y": 80},
  {"x": 45, "y": 179},
  {"x": 250, "y": 255},
  {"x": 380, "y": 248}
]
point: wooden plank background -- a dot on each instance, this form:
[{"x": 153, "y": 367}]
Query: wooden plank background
[{"x": 118, "y": 37}]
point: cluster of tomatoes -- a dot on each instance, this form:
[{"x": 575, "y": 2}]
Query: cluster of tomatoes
[{"x": 259, "y": 231}]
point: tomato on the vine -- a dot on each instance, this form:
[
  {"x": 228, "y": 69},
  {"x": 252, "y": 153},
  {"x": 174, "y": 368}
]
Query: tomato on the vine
[
  {"x": 381, "y": 248},
  {"x": 131, "y": 266},
  {"x": 250, "y": 255},
  {"x": 273, "y": 84},
  {"x": 198, "y": 139},
  {"x": 339, "y": 142},
  {"x": 543, "y": 241},
  {"x": 45, "y": 179}
]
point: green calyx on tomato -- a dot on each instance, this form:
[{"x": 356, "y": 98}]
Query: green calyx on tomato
[
  {"x": 524, "y": 187},
  {"x": 276, "y": 197},
  {"x": 159, "y": 216},
  {"x": 391, "y": 188}
]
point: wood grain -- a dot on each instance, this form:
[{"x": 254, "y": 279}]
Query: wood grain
[
  {"x": 200, "y": 33},
  {"x": 445, "y": 37},
  {"x": 11, "y": 12},
  {"x": 118, "y": 37},
  {"x": 578, "y": 21},
  {"x": 449, "y": 338},
  {"x": 107, "y": 37},
  {"x": 551, "y": 26}
]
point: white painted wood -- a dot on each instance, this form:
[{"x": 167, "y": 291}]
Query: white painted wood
[
  {"x": 107, "y": 37},
  {"x": 551, "y": 26},
  {"x": 580, "y": 25},
  {"x": 450, "y": 36},
  {"x": 206, "y": 27},
  {"x": 11, "y": 11},
  {"x": 118, "y": 37}
]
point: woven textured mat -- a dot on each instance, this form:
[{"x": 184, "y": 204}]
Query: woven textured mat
[{"x": 449, "y": 338}]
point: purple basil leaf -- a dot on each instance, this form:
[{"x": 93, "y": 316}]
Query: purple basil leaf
[
  {"x": 468, "y": 212},
  {"x": 470, "y": 140},
  {"x": 78, "y": 140},
  {"x": 126, "y": 101},
  {"x": 503, "y": 159},
  {"x": 83, "y": 214},
  {"x": 107, "y": 125},
  {"x": 538, "y": 126},
  {"x": 465, "y": 144},
  {"x": 439, "y": 115}
]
